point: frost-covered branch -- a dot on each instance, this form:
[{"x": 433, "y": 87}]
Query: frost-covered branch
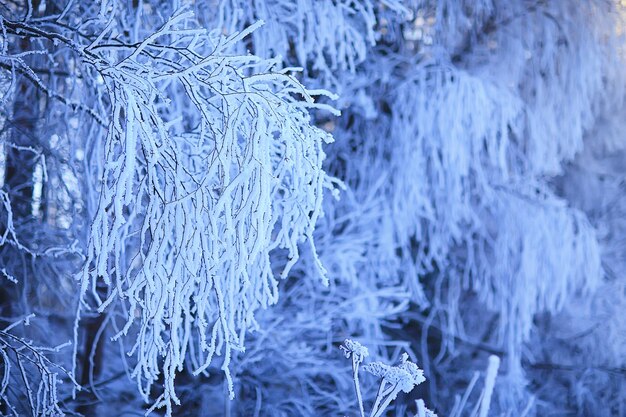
[
  {"x": 211, "y": 165},
  {"x": 28, "y": 374}
]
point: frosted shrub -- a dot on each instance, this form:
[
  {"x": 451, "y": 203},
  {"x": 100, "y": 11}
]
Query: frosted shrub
[{"x": 393, "y": 379}]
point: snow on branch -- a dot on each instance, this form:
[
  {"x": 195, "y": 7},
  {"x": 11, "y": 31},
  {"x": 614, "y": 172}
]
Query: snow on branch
[{"x": 211, "y": 165}]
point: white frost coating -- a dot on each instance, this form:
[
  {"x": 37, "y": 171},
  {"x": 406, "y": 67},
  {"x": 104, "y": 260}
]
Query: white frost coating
[
  {"x": 490, "y": 380},
  {"x": 209, "y": 168},
  {"x": 422, "y": 411}
]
